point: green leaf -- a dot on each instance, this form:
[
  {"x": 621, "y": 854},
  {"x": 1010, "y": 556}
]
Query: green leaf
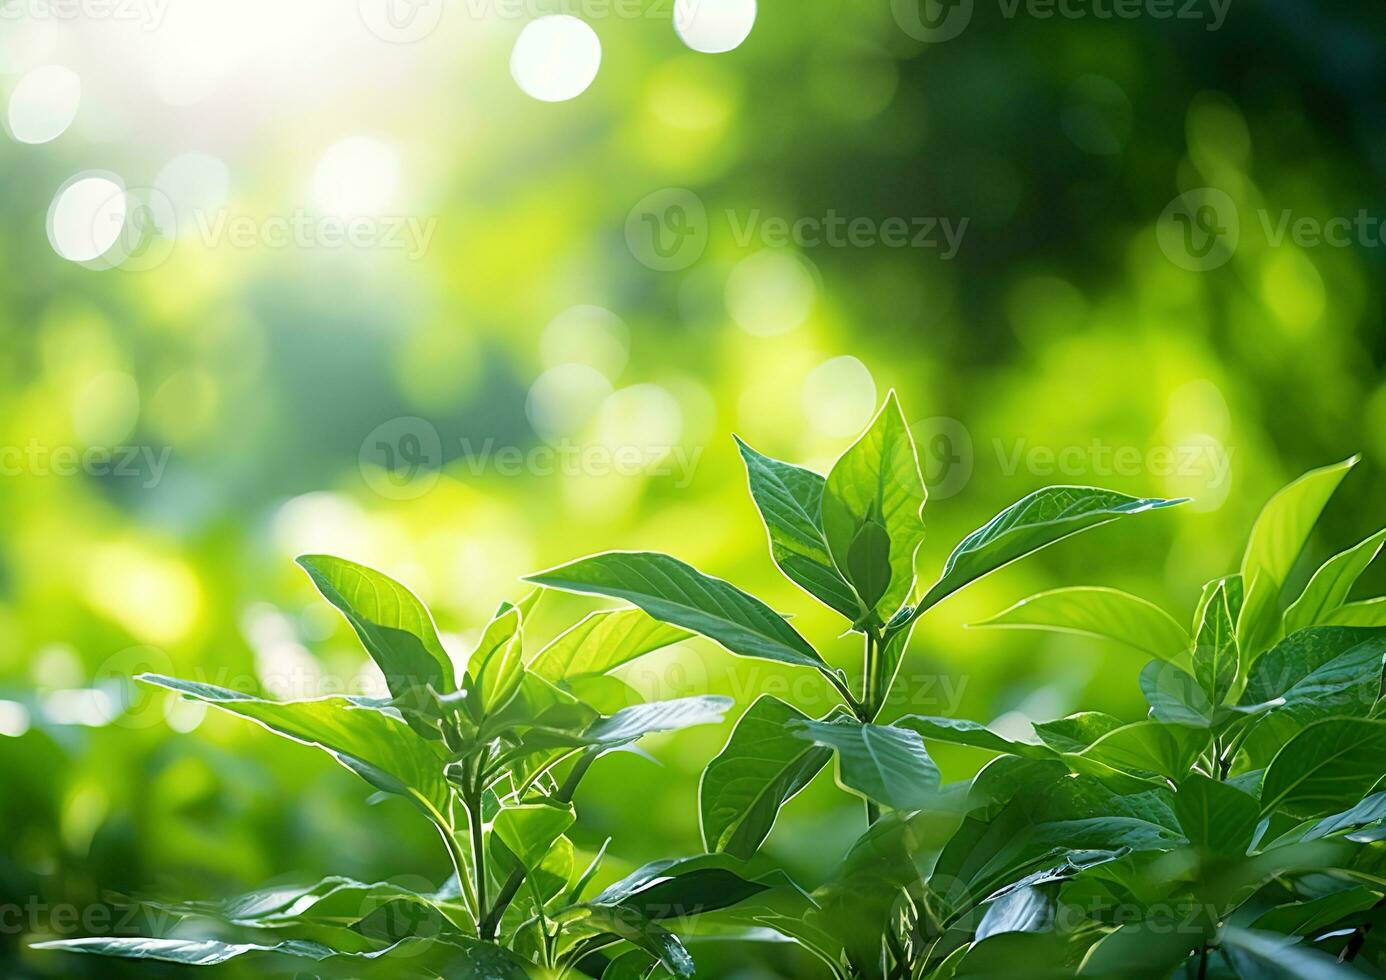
[
  {"x": 1319, "y": 672},
  {"x": 960, "y": 731},
  {"x": 1369, "y": 812},
  {"x": 1029, "y": 909},
  {"x": 496, "y": 666},
  {"x": 376, "y": 746},
  {"x": 888, "y": 765},
  {"x": 1145, "y": 950},
  {"x": 1329, "y": 764},
  {"x": 877, "y": 481},
  {"x": 1277, "y": 538},
  {"x": 1368, "y": 612},
  {"x": 868, "y": 562},
  {"x": 469, "y": 956},
  {"x": 602, "y": 642},
  {"x": 762, "y": 767},
  {"x": 682, "y": 887},
  {"x": 1216, "y": 656},
  {"x": 1108, "y": 614},
  {"x": 634, "y": 928},
  {"x": 1215, "y": 815},
  {"x": 394, "y": 626},
  {"x": 640, "y": 720},
  {"x": 530, "y": 829},
  {"x": 1034, "y": 522},
  {"x": 1076, "y": 732},
  {"x": 1174, "y": 696},
  {"x": 1148, "y": 746},
  {"x": 1329, "y": 588},
  {"x": 677, "y": 593},
  {"x": 789, "y": 499},
  {"x": 1258, "y": 954}
]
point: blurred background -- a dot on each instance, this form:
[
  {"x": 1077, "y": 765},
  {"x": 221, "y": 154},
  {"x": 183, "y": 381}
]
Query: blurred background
[{"x": 461, "y": 292}]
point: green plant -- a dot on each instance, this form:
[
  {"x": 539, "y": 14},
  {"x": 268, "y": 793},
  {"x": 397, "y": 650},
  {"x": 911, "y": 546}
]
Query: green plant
[
  {"x": 850, "y": 540},
  {"x": 493, "y": 761},
  {"x": 1237, "y": 831}
]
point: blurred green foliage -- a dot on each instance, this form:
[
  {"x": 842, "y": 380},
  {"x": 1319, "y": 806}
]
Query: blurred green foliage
[{"x": 266, "y": 376}]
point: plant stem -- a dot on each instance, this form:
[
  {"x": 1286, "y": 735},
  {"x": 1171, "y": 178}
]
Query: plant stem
[
  {"x": 459, "y": 866},
  {"x": 869, "y": 707},
  {"x": 472, "y": 801},
  {"x": 490, "y": 921}
]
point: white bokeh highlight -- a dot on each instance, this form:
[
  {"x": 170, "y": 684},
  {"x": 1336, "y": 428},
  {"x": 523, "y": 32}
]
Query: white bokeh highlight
[
  {"x": 839, "y": 397},
  {"x": 86, "y": 217},
  {"x": 555, "y": 58},
  {"x": 356, "y": 177},
  {"x": 714, "y": 26},
  {"x": 44, "y": 103}
]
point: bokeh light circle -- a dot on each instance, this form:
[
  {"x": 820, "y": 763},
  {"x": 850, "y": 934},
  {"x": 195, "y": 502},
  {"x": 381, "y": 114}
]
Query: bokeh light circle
[
  {"x": 555, "y": 58},
  {"x": 86, "y": 217},
  {"x": 44, "y": 103},
  {"x": 714, "y": 26},
  {"x": 839, "y": 396}
]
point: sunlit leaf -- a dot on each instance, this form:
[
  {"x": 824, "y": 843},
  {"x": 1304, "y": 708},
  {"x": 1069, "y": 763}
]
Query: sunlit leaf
[
  {"x": 394, "y": 626},
  {"x": 1327, "y": 766},
  {"x": 602, "y": 642},
  {"x": 1032, "y": 523},
  {"x": 877, "y": 481},
  {"x": 763, "y": 765},
  {"x": 677, "y": 593},
  {"x": 888, "y": 765},
  {"x": 789, "y": 499},
  {"x": 1329, "y": 588},
  {"x": 1276, "y": 540},
  {"x": 1108, "y": 614},
  {"x": 376, "y": 746}
]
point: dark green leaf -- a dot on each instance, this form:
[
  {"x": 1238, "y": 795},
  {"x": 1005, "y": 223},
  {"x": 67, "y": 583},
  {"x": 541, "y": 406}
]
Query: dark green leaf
[
  {"x": 683, "y": 887},
  {"x": 789, "y": 499},
  {"x": 1174, "y": 696},
  {"x": 1076, "y": 732},
  {"x": 1034, "y": 522},
  {"x": 394, "y": 626},
  {"x": 877, "y": 479},
  {"x": 1266, "y": 954},
  {"x": 1148, "y": 746},
  {"x": 888, "y": 765},
  {"x": 1327, "y": 766},
  {"x": 1028, "y": 909},
  {"x": 763, "y": 766},
  {"x": 1215, "y": 815},
  {"x": 634, "y": 928},
  {"x": 676, "y": 593}
]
